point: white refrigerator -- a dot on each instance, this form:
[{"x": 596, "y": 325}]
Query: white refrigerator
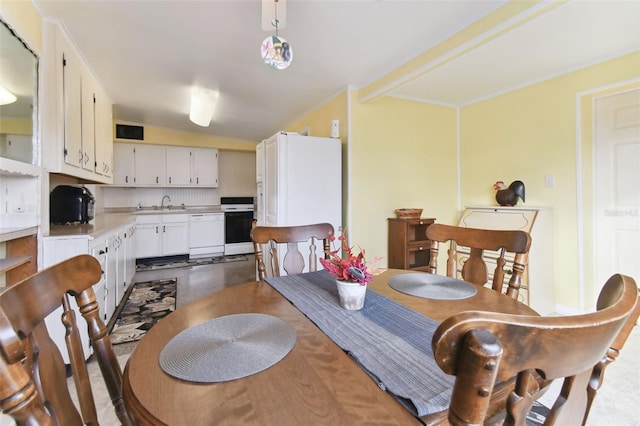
[{"x": 299, "y": 180}]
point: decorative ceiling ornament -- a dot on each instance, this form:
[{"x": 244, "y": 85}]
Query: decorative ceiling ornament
[{"x": 276, "y": 51}]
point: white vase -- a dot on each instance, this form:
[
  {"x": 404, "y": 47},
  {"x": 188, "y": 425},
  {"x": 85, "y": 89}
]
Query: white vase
[{"x": 351, "y": 294}]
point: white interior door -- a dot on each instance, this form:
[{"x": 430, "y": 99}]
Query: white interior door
[{"x": 617, "y": 186}]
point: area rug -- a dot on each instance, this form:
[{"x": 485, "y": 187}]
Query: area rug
[
  {"x": 155, "y": 265},
  {"x": 146, "y": 304}
]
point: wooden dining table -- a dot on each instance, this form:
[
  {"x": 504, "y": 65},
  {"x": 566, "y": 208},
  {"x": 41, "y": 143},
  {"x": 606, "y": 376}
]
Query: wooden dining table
[{"x": 316, "y": 383}]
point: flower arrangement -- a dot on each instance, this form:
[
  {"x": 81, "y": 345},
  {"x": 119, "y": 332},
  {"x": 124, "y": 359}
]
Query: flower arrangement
[{"x": 348, "y": 266}]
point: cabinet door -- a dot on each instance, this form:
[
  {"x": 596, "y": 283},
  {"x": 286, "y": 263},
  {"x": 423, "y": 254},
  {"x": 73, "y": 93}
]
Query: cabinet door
[
  {"x": 150, "y": 165},
  {"x": 204, "y": 167},
  {"x": 178, "y": 164},
  {"x": 111, "y": 274},
  {"x": 124, "y": 171},
  {"x": 87, "y": 123},
  {"x": 72, "y": 99},
  {"x": 148, "y": 240},
  {"x": 175, "y": 238},
  {"x": 104, "y": 133}
]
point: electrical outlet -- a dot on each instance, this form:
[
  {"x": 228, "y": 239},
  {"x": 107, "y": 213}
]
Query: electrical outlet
[{"x": 549, "y": 181}]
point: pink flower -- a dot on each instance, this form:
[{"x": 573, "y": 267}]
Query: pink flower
[{"x": 348, "y": 266}]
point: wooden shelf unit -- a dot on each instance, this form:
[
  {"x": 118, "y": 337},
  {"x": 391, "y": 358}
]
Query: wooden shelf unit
[
  {"x": 408, "y": 244},
  {"x": 21, "y": 258}
]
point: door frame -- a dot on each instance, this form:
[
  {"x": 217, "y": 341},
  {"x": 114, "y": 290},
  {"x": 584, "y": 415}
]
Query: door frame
[{"x": 585, "y": 166}]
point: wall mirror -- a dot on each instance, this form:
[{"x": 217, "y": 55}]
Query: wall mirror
[{"x": 19, "y": 77}]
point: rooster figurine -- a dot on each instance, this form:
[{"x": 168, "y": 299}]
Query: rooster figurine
[{"x": 508, "y": 196}]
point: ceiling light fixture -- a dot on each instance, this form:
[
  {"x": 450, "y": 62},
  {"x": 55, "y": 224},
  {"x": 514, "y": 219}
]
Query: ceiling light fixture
[
  {"x": 276, "y": 51},
  {"x": 203, "y": 102},
  {"x": 6, "y": 97}
]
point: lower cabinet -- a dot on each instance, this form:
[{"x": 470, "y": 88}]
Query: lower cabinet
[
  {"x": 162, "y": 235},
  {"x": 110, "y": 249}
]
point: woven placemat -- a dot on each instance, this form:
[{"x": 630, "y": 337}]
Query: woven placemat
[
  {"x": 227, "y": 348},
  {"x": 431, "y": 286}
]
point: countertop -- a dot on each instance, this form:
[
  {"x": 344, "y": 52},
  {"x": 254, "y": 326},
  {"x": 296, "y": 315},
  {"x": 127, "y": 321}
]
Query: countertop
[{"x": 115, "y": 217}]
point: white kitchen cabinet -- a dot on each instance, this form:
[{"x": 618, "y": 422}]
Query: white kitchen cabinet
[
  {"x": 129, "y": 254},
  {"x": 111, "y": 284},
  {"x": 178, "y": 163},
  {"x": 106, "y": 249},
  {"x": 103, "y": 133},
  {"x": 98, "y": 249},
  {"x": 124, "y": 164},
  {"x": 204, "y": 167},
  {"x": 148, "y": 236},
  {"x": 87, "y": 120},
  {"x": 150, "y": 168},
  {"x": 162, "y": 235},
  {"x": 537, "y": 281},
  {"x": 164, "y": 166},
  {"x": 77, "y": 115},
  {"x": 175, "y": 234}
]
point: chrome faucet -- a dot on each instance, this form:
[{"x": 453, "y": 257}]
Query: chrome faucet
[{"x": 162, "y": 206}]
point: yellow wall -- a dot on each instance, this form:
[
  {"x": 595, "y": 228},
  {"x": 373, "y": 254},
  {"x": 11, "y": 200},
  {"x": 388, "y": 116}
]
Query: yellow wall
[
  {"x": 161, "y": 136},
  {"x": 16, "y": 126},
  {"x": 530, "y": 133},
  {"x": 402, "y": 155},
  {"x": 23, "y": 17},
  {"x": 319, "y": 120}
]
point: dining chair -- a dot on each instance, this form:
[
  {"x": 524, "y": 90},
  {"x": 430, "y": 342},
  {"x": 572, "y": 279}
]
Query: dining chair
[
  {"x": 33, "y": 375},
  {"x": 295, "y": 237},
  {"x": 484, "y": 348},
  {"x": 606, "y": 298},
  {"x": 479, "y": 242}
]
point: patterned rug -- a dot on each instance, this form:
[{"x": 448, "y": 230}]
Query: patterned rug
[
  {"x": 153, "y": 265},
  {"x": 146, "y": 303}
]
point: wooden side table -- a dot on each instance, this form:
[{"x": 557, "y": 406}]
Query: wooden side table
[{"x": 408, "y": 244}]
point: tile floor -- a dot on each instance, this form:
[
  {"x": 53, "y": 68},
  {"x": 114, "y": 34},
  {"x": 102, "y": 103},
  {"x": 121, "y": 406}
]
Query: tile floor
[{"x": 617, "y": 403}]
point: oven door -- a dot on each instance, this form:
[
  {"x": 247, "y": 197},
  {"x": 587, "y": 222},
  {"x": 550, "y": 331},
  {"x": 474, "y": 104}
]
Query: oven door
[
  {"x": 237, "y": 235},
  {"x": 237, "y": 227}
]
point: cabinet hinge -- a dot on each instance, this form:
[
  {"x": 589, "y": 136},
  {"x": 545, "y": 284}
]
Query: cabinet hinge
[
  {"x": 65, "y": 152},
  {"x": 64, "y": 62}
]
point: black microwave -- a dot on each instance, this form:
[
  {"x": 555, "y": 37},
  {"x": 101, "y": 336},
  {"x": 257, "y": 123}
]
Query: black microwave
[{"x": 70, "y": 204}]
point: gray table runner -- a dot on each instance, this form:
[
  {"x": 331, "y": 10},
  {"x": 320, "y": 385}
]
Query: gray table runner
[{"x": 390, "y": 341}]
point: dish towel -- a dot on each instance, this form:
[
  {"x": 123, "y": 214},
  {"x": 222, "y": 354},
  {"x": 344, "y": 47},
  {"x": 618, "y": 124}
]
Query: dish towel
[{"x": 391, "y": 342}]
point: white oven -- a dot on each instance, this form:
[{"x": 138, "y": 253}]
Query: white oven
[{"x": 238, "y": 219}]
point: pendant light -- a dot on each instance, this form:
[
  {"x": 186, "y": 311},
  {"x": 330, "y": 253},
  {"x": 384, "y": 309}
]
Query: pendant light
[{"x": 276, "y": 51}]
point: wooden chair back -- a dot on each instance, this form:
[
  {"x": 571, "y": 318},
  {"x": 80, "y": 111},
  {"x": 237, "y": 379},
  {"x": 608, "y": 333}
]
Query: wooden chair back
[
  {"x": 607, "y": 296},
  {"x": 33, "y": 376},
  {"x": 479, "y": 241},
  {"x": 293, "y": 261},
  {"x": 480, "y": 348}
]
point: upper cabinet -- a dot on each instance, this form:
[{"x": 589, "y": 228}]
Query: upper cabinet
[
  {"x": 159, "y": 165},
  {"x": 77, "y": 117},
  {"x": 204, "y": 167}
]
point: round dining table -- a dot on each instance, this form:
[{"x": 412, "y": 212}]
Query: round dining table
[{"x": 315, "y": 383}]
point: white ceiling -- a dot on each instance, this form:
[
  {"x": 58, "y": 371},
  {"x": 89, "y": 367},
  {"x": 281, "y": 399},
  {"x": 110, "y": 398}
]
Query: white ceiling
[{"x": 149, "y": 53}]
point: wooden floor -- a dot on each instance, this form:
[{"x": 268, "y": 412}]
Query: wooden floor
[{"x": 616, "y": 404}]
